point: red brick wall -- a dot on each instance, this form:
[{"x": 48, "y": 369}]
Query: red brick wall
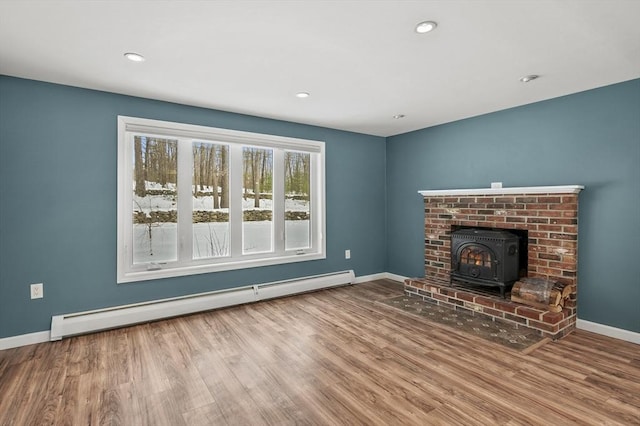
[{"x": 550, "y": 219}]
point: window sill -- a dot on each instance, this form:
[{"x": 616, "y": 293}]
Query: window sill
[{"x": 177, "y": 271}]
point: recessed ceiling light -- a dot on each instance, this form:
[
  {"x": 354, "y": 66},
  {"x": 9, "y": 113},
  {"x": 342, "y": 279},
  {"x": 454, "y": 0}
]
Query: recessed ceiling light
[
  {"x": 303, "y": 94},
  {"x": 398, "y": 116},
  {"x": 426, "y": 26},
  {"x": 135, "y": 57},
  {"x": 528, "y": 78}
]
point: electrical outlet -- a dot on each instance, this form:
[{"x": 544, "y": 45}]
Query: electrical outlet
[
  {"x": 347, "y": 254},
  {"x": 37, "y": 291}
]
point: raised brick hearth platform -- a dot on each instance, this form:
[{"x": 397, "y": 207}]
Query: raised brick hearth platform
[
  {"x": 549, "y": 324},
  {"x": 548, "y": 214}
]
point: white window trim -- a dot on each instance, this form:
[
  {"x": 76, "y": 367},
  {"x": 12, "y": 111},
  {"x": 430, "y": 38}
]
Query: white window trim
[{"x": 125, "y": 270}]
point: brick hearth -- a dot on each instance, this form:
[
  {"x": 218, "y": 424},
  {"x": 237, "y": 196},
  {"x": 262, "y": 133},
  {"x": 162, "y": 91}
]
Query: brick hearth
[{"x": 549, "y": 214}]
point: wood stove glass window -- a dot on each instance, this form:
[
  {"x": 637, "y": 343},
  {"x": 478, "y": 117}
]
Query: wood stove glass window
[{"x": 474, "y": 255}]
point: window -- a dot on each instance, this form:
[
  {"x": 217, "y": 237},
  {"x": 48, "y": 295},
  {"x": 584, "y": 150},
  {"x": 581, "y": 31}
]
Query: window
[
  {"x": 194, "y": 199},
  {"x": 474, "y": 255}
]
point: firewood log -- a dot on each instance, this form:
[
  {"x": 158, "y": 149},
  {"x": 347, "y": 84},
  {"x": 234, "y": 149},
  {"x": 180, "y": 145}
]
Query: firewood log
[
  {"x": 529, "y": 293},
  {"x": 554, "y": 297},
  {"x": 543, "y": 306},
  {"x": 521, "y": 290},
  {"x": 564, "y": 289},
  {"x": 556, "y": 308}
]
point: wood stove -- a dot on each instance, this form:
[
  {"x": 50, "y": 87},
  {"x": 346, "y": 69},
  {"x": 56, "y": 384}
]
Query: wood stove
[{"x": 485, "y": 257}]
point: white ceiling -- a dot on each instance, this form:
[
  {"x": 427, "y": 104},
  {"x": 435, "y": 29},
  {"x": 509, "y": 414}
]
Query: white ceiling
[{"x": 361, "y": 61}]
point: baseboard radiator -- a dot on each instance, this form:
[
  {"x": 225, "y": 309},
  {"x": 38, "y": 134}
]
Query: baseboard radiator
[{"x": 120, "y": 316}]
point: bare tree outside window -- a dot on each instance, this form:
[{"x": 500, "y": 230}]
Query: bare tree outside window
[
  {"x": 210, "y": 214},
  {"x": 155, "y": 215},
  {"x": 297, "y": 180},
  {"x": 257, "y": 209}
]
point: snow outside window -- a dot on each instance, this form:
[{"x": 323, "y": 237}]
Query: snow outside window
[{"x": 194, "y": 199}]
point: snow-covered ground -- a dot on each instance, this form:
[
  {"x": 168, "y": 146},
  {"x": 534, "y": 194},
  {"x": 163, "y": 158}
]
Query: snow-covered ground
[
  {"x": 157, "y": 242},
  {"x": 212, "y": 239}
]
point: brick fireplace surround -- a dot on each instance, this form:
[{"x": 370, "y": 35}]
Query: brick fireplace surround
[{"x": 549, "y": 214}]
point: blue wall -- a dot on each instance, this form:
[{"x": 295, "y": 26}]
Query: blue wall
[
  {"x": 58, "y": 201},
  {"x": 58, "y": 194},
  {"x": 591, "y": 138}
]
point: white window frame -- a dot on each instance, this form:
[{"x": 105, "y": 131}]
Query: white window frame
[{"x": 186, "y": 134}]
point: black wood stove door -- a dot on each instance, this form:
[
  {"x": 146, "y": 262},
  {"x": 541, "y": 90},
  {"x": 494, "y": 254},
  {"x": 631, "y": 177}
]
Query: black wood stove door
[{"x": 475, "y": 261}]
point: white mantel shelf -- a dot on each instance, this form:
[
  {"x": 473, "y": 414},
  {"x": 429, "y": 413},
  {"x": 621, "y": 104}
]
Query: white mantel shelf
[{"x": 559, "y": 189}]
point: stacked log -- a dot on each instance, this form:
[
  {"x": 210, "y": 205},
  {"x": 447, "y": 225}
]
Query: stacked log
[{"x": 541, "y": 293}]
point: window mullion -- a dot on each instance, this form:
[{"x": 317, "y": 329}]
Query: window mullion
[
  {"x": 318, "y": 240},
  {"x": 278, "y": 200},
  {"x": 235, "y": 199},
  {"x": 185, "y": 200},
  {"x": 127, "y": 202}
]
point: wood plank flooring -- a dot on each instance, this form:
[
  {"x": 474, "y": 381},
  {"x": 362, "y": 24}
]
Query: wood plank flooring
[{"x": 327, "y": 358}]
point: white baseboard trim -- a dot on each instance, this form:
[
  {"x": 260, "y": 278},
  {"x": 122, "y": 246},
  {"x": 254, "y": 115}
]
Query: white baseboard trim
[
  {"x": 395, "y": 277},
  {"x": 76, "y": 323},
  {"x": 24, "y": 340},
  {"x": 606, "y": 330},
  {"x": 367, "y": 278},
  {"x": 379, "y": 276}
]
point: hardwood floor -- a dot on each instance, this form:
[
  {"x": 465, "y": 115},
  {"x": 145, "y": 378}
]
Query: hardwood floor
[{"x": 325, "y": 358}]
